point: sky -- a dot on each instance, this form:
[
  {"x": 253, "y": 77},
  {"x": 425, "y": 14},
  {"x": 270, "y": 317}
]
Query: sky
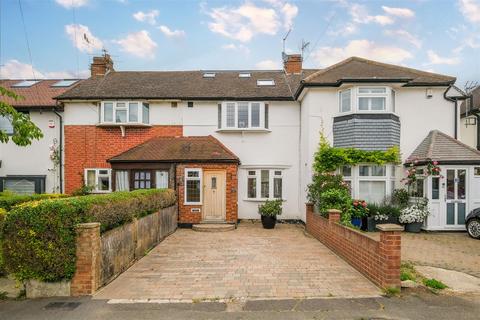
[{"x": 58, "y": 38}]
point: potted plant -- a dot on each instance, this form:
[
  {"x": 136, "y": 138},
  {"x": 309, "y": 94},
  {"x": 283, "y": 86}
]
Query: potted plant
[
  {"x": 269, "y": 212},
  {"x": 358, "y": 211},
  {"x": 414, "y": 215},
  {"x": 378, "y": 214}
]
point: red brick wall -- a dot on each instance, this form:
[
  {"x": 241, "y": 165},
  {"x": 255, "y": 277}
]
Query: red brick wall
[
  {"x": 184, "y": 211},
  {"x": 377, "y": 260},
  {"x": 91, "y": 146}
]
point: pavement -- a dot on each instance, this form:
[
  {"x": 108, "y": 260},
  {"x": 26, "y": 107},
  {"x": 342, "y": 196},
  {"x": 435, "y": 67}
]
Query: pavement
[
  {"x": 457, "y": 282},
  {"x": 416, "y": 305},
  {"x": 247, "y": 263}
]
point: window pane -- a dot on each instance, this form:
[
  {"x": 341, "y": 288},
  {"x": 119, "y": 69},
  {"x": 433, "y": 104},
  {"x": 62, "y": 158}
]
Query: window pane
[
  {"x": 22, "y": 186},
  {"x": 364, "y": 171},
  {"x": 255, "y": 114},
  {"x": 230, "y": 115},
  {"x": 243, "y": 115},
  {"x": 476, "y": 171},
  {"x": 363, "y": 104},
  {"x": 347, "y": 171},
  {"x": 91, "y": 178},
  {"x": 103, "y": 183},
  {"x": 393, "y": 101},
  {"x": 378, "y": 103},
  {"x": 461, "y": 184},
  {"x": 214, "y": 183},
  {"x": 435, "y": 188},
  {"x": 121, "y": 181},
  {"x": 252, "y": 187},
  {"x": 372, "y": 90},
  {"x": 121, "y": 116},
  {"x": 461, "y": 208},
  {"x": 450, "y": 184},
  {"x": 378, "y": 171},
  {"x": 450, "y": 213},
  {"x": 265, "y": 185},
  {"x": 345, "y": 101},
  {"x": 108, "y": 112},
  {"x": 277, "y": 188},
  {"x": 372, "y": 191},
  {"x": 193, "y": 191},
  {"x": 193, "y": 174},
  {"x": 133, "y": 112},
  {"x": 146, "y": 113},
  {"x": 6, "y": 125}
]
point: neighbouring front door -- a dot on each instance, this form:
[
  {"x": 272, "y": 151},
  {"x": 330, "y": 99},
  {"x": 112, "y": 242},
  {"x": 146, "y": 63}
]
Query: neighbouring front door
[
  {"x": 214, "y": 195},
  {"x": 456, "y": 197}
]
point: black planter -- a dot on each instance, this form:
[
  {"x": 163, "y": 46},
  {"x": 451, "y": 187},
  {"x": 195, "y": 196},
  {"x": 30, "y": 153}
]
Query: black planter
[
  {"x": 415, "y": 227},
  {"x": 268, "y": 222},
  {"x": 370, "y": 224}
]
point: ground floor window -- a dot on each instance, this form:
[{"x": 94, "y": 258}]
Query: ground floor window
[
  {"x": 264, "y": 184},
  {"x": 99, "y": 180},
  {"x": 142, "y": 180},
  {"x": 193, "y": 186},
  {"x": 23, "y": 184},
  {"x": 121, "y": 181}
]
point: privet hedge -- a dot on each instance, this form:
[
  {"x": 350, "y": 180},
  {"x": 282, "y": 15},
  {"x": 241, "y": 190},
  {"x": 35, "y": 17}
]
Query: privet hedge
[
  {"x": 39, "y": 236},
  {"x": 8, "y": 200}
]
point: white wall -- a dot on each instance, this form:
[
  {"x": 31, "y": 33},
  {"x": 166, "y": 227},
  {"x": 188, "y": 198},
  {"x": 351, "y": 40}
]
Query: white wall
[
  {"x": 468, "y": 135},
  {"x": 33, "y": 159}
]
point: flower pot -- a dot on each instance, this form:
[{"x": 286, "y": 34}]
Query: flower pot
[
  {"x": 371, "y": 224},
  {"x": 268, "y": 222},
  {"x": 413, "y": 227},
  {"x": 357, "y": 222},
  {"x": 391, "y": 219}
]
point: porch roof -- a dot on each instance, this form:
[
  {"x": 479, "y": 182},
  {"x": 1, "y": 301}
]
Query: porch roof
[
  {"x": 440, "y": 147},
  {"x": 178, "y": 149}
]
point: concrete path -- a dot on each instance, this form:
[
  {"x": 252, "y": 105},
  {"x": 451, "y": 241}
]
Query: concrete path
[
  {"x": 248, "y": 263},
  {"x": 457, "y": 282}
]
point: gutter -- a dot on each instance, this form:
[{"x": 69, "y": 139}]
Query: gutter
[
  {"x": 61, "y": 148},
  {"x": 454, "y": 99}
]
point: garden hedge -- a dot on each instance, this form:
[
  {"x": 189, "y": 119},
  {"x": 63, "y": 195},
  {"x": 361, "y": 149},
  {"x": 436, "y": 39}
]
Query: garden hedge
[
  {"x": 39, "y": 237},
  {"x": 8, "y": 200}
]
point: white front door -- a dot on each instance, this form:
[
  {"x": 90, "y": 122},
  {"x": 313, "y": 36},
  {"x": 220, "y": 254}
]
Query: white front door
[{"x": 456, "y": 197}]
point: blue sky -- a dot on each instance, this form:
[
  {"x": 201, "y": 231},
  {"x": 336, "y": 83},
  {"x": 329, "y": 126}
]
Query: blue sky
[{"x": 63, "y": 35}]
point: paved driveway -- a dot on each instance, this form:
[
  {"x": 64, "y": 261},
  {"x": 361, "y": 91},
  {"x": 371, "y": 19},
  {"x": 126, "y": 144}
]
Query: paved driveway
[{"x": 249, "y": 262}]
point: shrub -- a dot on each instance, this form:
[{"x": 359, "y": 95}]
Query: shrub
[
  {"x": 400, "y": 198},
  {"x": 3, "y": 214},
  {"x": 271, "y": 208},
  {"x": 415, "y": 213},
  {"x": 359, "y": 209},
  {"x": 328, "y": 191},
  {"x": 39, "y": 236},
  {"x": 8, "y": 199}
]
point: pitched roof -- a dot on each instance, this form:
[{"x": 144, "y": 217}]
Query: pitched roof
[
  {"x": 178, "y": 149},
  {"x": 476, "y": 102},
  {"x": 441, "y": 147},
  {"x": 185, "y": 85},
  {"x": 355, "y": 69},
  {"x": 38, "y": 96}
]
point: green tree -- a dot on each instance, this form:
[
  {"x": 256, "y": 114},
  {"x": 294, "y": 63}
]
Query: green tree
[{"x": 24, "y": 130}]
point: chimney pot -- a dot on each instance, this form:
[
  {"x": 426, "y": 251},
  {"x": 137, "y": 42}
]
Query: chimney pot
[
  {"x": 292, "y": 63},
  {"x": 101, "y": 66}
]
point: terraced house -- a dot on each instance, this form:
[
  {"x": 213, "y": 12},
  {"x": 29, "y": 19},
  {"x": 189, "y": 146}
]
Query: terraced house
[{"x": 228, "y": 140}]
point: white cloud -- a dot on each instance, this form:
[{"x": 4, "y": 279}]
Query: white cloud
[
  {"x": 434, "y": 58},
  {"x": 236, "y": 47},
  {"x": 359, "y": 14},
  {"x": 138, "y": 44},
  {"x": 171, "y": 33},
  {"x": 244, "y": 22},
  {"x": 344, "y": 29},
  {"x": 149, "y": 17},
  {"x": 327, "y": 56},
  {"x": 14, "y": 69},
  {"x": 72, "y": 3},
  {"x": 399, "y": 12},
  {"x": 268, "y": 65},
  {"x": 82, "y": 38},
  {"x": 470, "y": 10},
  {"x": 407, "y": 36}
]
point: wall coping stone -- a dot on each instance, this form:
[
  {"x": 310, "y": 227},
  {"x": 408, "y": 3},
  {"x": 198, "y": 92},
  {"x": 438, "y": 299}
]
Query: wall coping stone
[
  {"x": 385, "y": 227},
  {"x": 89, "y": 225}
]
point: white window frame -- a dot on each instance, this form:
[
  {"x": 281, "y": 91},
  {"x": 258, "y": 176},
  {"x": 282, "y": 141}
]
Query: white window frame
[
  {"x": 355, "y": 95},
  {"x": 97, "y": 174},
  {"x": 187, "y": 178},
  {"x": 261, "y": 125},
  {"x": 385, "y": 95},
  {"x": 127, "y": 108},
  {"x": 355, "y": 178},
  {"x": 271, "y": 177},
  {"x": 340, "y": 93},
  {"x": 7, "y": 125}
]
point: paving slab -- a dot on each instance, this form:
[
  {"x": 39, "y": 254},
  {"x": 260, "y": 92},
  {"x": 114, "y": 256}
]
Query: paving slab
[
  {"x": 456, "y": 281},
  {"x": 247, "y": 263}
]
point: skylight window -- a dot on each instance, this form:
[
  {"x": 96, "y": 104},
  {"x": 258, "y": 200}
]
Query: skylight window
[
  {"x": 26, "y": 83},
  {"x": 244, "y": 75},
  {"x": 64, "y": 83},
  {"x": 266, "y": 82},
  {"x": 209, "y": 75}
]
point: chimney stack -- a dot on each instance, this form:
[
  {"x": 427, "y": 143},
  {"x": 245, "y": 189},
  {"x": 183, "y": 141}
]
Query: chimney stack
[
  {"x": 292, "y": 63},
  {"x": 101, "y": 66}
]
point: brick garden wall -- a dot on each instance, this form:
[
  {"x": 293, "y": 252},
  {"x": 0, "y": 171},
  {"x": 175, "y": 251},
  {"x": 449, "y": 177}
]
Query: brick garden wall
[
  {"x": 91, "y": 146},
  {"x": 185, "y": 214},
  {"x": 377, "y": 260}
]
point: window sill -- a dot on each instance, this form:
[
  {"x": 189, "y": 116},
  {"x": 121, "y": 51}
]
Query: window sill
[
  {"x": 192, "y": 203},
  {"x": 260, "y": 200},
  {"x": 135, "y": 125},
  {"x": 254, "y": 130}
]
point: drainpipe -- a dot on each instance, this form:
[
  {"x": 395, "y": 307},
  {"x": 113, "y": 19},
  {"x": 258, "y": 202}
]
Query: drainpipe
[
  {"x": 456, "y": 119},
  {"x": 60, "y": 118},
  {"x": 478, "y": 130}
]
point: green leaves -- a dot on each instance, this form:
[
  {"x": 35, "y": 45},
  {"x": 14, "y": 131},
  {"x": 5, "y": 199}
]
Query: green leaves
[
  {"x": 271, "y": 208},
  {"x": 24, "y": 130}
]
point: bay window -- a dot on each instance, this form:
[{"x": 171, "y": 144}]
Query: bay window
[
  {"x": 124, "y": 112},
  {"x": 193, "y": 186},
  {"x": 243, "y": 115},
  {"x": 372, "y": 99},
  {"x": 264, "y": 184},
  {"x": 367, "y": 99},
  {"x": 346, "y": 100},
  {"x": 99, "y": 180}
]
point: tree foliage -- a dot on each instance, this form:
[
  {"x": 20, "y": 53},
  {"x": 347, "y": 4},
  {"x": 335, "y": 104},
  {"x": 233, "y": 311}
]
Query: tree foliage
[{"x": 24, "y": 130}]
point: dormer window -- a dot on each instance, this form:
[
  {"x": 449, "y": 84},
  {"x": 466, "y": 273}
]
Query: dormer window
[
  {"x": 367, "y": 99},
  {"x": 124, "y": 112}
]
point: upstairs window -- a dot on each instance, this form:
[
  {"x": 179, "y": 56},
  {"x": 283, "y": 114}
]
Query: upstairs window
[
  {"x": 346, "y": 100},
  {"x": 243, "y": 115},
  {"x": 125, "y": 112},
  {"x": 372, "y": 99},
  {"x": 366, "y": 99}
]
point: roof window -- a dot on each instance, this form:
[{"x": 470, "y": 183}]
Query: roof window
[
  {"x": 244, "y": 75},
  {"x": 64, "y": 83},
  {"x": 209, "y": 75},
  {"x": 265, "y": 82},
  {"x": 26, "y": 83}
]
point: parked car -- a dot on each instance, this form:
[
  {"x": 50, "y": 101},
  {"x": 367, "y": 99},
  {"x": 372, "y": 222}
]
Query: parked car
[{"x": 472, "y": 223}]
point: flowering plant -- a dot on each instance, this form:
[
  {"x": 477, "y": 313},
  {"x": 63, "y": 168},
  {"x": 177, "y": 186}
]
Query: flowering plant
[
  {"x": 431, "y": 169},
  {"x": 414, "y": 213},
  {"x": 55, "y": 153},
  {"x": 359, "y": 209}
]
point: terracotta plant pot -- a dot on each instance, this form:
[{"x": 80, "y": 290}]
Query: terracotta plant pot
[{"x": 268, "y": 222}]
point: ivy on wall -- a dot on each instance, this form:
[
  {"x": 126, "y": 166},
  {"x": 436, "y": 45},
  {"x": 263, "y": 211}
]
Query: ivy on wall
[{"x": 328, "y": 158}]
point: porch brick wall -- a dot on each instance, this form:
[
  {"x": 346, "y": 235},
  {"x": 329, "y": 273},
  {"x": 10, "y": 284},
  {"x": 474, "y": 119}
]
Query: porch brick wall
[
  {"x": 90, "y": 147},
  {"x": 184, "y": 211},
  {"x": 379, "y": 261}
]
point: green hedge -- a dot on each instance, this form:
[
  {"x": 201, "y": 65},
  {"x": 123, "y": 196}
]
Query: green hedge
[
  {"x": 39, "y": 236},
  {"x": 8, "y": 200},
  {"x": 3, "y": 214}
]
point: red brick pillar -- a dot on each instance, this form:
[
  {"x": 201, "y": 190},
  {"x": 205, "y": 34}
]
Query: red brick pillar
[
  {"x": 334, "y": 215},
  {"x": 87, "y": 273},
  {"x": 390, "y": 254}
]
